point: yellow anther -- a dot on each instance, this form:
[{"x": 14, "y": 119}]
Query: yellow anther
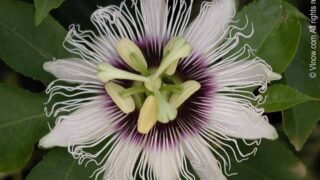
[
  {"x": 148, "y": 115},
  {"x": 131, "y": 55},
  {"x": 189, "y": 88},
  {"x": 125, "y": 104}
]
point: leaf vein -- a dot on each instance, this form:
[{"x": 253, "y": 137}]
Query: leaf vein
[
  {"x": 43, "y": 53},
  {"x": 22, "y": 120}
]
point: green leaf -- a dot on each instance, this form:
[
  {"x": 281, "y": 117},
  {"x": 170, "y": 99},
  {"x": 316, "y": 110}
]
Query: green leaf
[
  {"x": 24, "y": 47},
  {"x": 299, "y": 122},
  {"x": 22, "y": 123},
  {"x": 276, "y": 31},
  {"x": 280, "y": 47},
  {"x": 281, "y": 97},
  {"x": 292, "y": 10},
  {"x": 299, "y": 72},
  {"x": 43, "y": 7},
  {"x": 273, "y": 161},
  {"x": 59, "y": 164}
]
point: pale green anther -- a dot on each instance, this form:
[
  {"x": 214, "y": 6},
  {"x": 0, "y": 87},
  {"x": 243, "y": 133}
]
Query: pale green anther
[
  {"x": 175, "y": 42},
  {"x": 176, "y": 49},
  {"x": 139, "y": 64},
  {"x": 106, "y": 73},
  {"x": 125, "y": 104},
  {"x": 189, "y": 88},
  {"x": 172, "y": 68},
  {"x": 166, "y": 112},
  {"x": 131, "y": 55}
]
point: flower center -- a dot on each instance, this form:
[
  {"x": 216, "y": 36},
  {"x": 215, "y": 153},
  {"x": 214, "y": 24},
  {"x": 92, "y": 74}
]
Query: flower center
[{"x": 155, "y": 92}]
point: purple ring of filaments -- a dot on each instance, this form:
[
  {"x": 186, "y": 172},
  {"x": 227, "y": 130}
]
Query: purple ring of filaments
[{"x": 193, "y": 114}]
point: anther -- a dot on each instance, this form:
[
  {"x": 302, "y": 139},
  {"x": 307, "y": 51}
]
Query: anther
[
  {"x": 148, "y": 115},
  {"x": 171, "y": 45},
  {"x": 189, "y": 88},
  {"x": 176, "y": 49},
  {"x": 125, "y": 104},
  {"x": 132, "y": 55}
]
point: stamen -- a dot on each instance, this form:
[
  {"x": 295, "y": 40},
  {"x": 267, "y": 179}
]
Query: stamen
[
  {"x": 174, "y": 42},
  {"x": 189, "y": 88},
  {"x": 106, "y": 72},
  {"x": 172, "y": 68},
  {"x": 132, "y": 55},
  {"x": 176, "y": 49},
  {"x": 153, "y": 84},
  {"x": 126, "y": 104},
  {"x": 166, "y": 112},
  {"x": 148, "y": 115},
  {"x": 138, "y": 98},
  {"x": 132, "y": 91},
  {"x": 172, "y": 88},
  {"x": 138, "y": 63}
]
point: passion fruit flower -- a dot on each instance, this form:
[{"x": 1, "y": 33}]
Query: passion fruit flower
[{"x": 152, "y": 93}]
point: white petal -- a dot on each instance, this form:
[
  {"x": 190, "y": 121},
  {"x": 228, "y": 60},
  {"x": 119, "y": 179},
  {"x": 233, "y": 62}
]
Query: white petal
[
  {"x": 86, "y": 44},
  {"x": 202, "y": 160},
  {"x": 114, "y": 23},
  {"x": 153, "y": 13},
  {"x": 85, "y": 124},
  {"x": 122, "y": 160},
  {"x": 209, "y": 28},
  {"x": 165, "y": 163},
  {"x": 233, "y": 117},
  {"x": 242, "y": 74},
  {"x": 162, "y": 20},
  {"x": 72, "y": 70}
]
